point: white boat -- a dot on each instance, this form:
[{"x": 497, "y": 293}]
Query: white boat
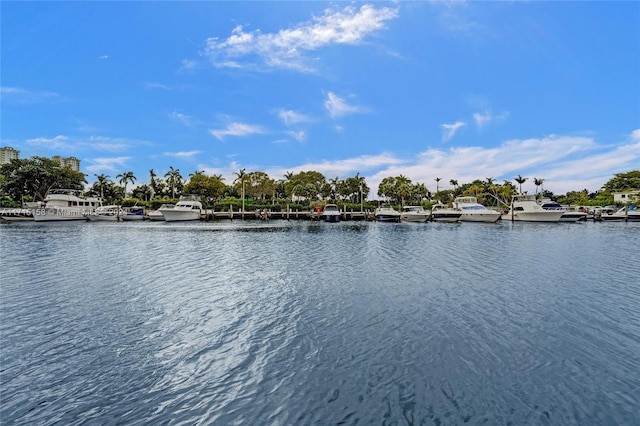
[
  {"x": 331, "y": 213},
  {"x": 525, "y": 208},
  {"x": 442, "y": 213},
  {"x": 414, "y": 214},
  {"x": 187, "y": 208},
  {"x": 386, "y": 213},
  {"x": 16, "y": 214},
  {"x": 66, "y": 205},
  {"x": 156, "y": 215},
  {"x": 110, "y": 213},
  {"x": 568, "y": 215},
  {"x": 132, "y": 213},
  {"x": 628, "y": 214},
  {"x": 472, "y": 211}
]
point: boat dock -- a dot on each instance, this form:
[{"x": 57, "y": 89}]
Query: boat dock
[{"x": 211, "y": 215}]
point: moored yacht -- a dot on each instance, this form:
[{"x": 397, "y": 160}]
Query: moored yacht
[
  {"x": 65, "y": 205},
  {"x": 331, "y": 213},
  {"x": 187, "y": 208},
  {"x": 414, "y": 214},
  {"x": 442, "y": 213},
  {"x": 524, "y": 208},
  {"x": 109, "y": 213},
  {"x": 629, "y": 214},
  {"x": 472, "y": 211},
  {"x": 386, "y": 213},
  {"x": 567, "y": 216},
  {"x": 156, "y": 215},
  {"x": 133, "y": 213}
]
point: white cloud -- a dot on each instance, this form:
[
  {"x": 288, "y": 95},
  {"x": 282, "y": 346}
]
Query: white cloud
[
  {"x": 183, "y": 154},
  {"x": 107, "y": 164},
  {"x": 152, "y": 85},
  {"x": 448, "y": 130},
  {"x": 24, "y": 96},
  {"x": 237, "y": 129},
  {"x": 188, "y": 66},
  {"x": 58, "y": 143},
  {"x": 182, "y": 118},
  {"x": 103, "y": 57},
  {"x": 102, "y": 143},
  {"x": 482, "y": 119},
  {"x": 290, "y": 117},
  {"x": 338, "y": 107},
  {"x": 299, "y": 136},
  {"x": 287, "y": 47}
]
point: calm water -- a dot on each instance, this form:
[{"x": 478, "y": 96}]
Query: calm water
[{"x": 297, "y": 323}]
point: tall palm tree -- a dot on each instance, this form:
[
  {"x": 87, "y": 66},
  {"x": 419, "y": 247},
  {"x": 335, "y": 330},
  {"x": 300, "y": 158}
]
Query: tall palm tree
[
  {"x": 152, "y": 181},
  {"x": 538, "y": 183},
  {"x": 241, "y": 176},
  {"x": 437, "y": 182},
  {"x": 125, "y": 178},
  {"x": 520, "y": 180},
  {"x": 102, "y": 182},
  {"x": 174, "y": 178},
  {"x": 454, "y": 183}
]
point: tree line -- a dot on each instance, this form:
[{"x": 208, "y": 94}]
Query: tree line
[{"x": 31, "y": 179}]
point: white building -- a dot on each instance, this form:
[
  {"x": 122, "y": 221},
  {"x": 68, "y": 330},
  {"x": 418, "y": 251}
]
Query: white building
[
  {"x": 7, "y": 154},
  {"x": 626, "y": 197}
]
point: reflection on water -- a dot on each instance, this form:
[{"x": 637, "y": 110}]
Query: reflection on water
[{"x": 315, "y": 323}]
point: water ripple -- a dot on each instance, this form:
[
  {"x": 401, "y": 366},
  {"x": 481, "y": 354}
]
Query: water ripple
[{"x": 314, "y": 323}]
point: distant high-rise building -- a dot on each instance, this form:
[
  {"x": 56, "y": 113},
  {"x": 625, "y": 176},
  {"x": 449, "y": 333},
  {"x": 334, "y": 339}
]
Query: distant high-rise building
[
  {"x": 7, "y": 154},
  {"x": 71, "y": 162}
]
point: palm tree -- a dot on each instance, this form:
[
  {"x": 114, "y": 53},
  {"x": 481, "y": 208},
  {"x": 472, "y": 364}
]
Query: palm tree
[
  {"x": 152, "y": 182},
  {"x": 241, "y": 175},
  {"x": 454, "y": 183},
  {"x": 102, "y": 182},
  {"x": 125, "y": 178},
  {"x": 197, "y": 173},
  {"x": 437, "y": 182},
  {"x": 173, "y": 179},
  {"x": 538, "y": 183},
  {"x": 520, "y": 180}
]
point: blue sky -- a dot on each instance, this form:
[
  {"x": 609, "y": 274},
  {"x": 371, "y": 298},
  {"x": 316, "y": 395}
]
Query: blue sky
[{"x": 455, "y": 90}]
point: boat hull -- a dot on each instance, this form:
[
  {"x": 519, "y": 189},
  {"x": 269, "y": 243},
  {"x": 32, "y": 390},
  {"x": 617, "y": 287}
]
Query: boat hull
[
  {"x": 177, "y": 215},
  {"x": 331, "y": 217},
  {"x": 17, "y": 215},
  {"x": 415, "y": 217},
  {"x": 60, "y": 214},
  {"x": 486, "y": 217},
  {"x": 534, "y": 216},
  {"x": 445, "y": 217}
]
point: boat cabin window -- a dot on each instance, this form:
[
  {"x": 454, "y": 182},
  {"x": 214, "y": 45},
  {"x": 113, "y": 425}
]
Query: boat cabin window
[{"x": 519, "y": 209}]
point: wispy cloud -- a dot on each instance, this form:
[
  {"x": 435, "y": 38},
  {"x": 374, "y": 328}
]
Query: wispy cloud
[
  {"x": 189, "y": 65},
  {"x": 338, "y": 107},
  {"x": 482, "y": 119},
  {"x": 290, "y": 117},
  {"x": 103, "y": 57},
  {"x": 299, "y": 135},
  {"x": 287, "y": 48},
  {"x": 58, "y": 143},
  {"x": 153, "y": 85},
  {"x": 237, "y": 129},
  {"x": 25, "y": 96},
  {"x": 103, "y": 143},
  {"x": 183, "y": 154},
  {"x": 449, "y": 130},
  {"x": 182, "y": 118},
  {"x": 107, "y": 164}
]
